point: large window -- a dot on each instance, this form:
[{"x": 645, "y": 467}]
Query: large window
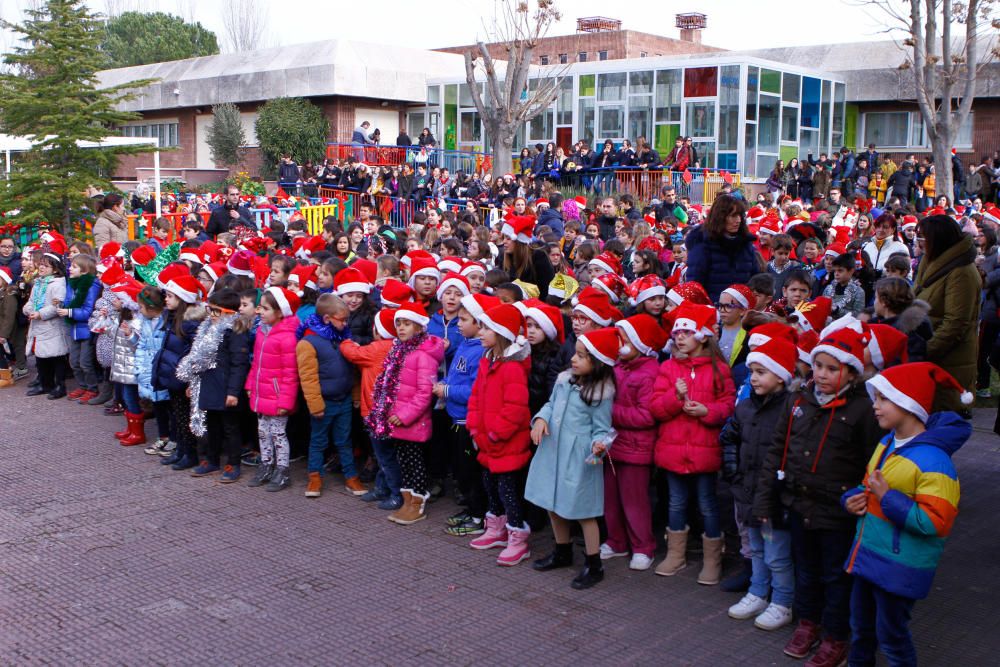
[
  {"x": 729, "y": 108},
  {"x": 612, "y": 122},
  {"x": 668, "y": 96},
  {"x": 166, "y": 132},
  {"x": 700, "y": 120},
  {"x": 611, "y": 87},
  {"x": 905, "y": 129},
  {"x": 767, "y": 125}
]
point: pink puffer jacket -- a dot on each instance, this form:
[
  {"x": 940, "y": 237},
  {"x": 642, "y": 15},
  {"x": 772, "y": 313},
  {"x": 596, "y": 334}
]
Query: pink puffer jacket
[
  {"x": 273, "y": 381},
  {"x": 687, "y": 444},
  {"x": 630, "y": 413},
  {"x": 415, "y": 397}
]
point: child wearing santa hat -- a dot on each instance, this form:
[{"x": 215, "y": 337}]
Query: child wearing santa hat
[
  {"x": 692, "y": 398},
  {"x": 573, "y": 432},
  {"x": 745, "y": 441},
  {"x": 826, "y": 432},
  {"x": 907, "y": 504},
  {"x": 273, "y": 384}
]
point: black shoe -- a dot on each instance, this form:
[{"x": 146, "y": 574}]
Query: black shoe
[
  {"x": 592, "y": 573},
  {"x": 174, "y": 457},
  {"x": 35, "y": 390},
  {"x": 738, "y": 582},
  {"x": 57, "y": 393},
  {"x": 279, "y": 480},
  {"x": 561, "y": 556}
]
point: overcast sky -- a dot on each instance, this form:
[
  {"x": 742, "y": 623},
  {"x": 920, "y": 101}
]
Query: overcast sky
[{"x": 732, "y": 24}]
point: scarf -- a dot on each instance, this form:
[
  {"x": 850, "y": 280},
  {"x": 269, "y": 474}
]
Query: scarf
[
  {"x": 201, "y": 358},
  {"x": 117, "y": 219},
  {"x": 314, "y": 324},
  {"x": 387, "y": 385},
  {"x": 81, "y": 287},
  {"x": 38, "y": 292}
]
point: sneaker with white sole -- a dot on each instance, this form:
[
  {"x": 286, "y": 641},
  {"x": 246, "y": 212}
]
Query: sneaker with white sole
[
  {"x": 161, "y": 447},
  {"x": 607, "y": 553},
  {"x": 774, "y": 617},
  {"x": 640, "y": 562},
  {"x": 748, "y": 607}
]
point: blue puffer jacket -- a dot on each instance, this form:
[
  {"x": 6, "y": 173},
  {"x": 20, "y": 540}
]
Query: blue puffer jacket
[
  {"x": 78, "y": 317},
  {"x": 174, "y": 348},
  {"x": 461, "y": 375},
  {"x": 446, "y": 331},
  {"x": 553, "y": 219},
  {"x": 230, "y": 372},
  {"x": 718, "y": 263},
  {"x": 151, "y": 335}
]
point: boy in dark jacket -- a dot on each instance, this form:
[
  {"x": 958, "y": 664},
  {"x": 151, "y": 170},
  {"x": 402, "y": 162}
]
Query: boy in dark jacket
[
  {"x": 826, "y": 432},
  {"x": 745, "y": 441},
  {"x": 327, "y": 379}
]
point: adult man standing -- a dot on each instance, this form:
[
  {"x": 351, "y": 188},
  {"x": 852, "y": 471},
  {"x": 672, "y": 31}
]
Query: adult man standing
[
  {"x": 360, "y": 135},
  {"x": 230, "y": 215}
]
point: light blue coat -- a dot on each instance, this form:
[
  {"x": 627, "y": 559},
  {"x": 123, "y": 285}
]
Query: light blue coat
[
  {"x": 151, "y": 335},
  {"x": 560, "y": 479}
]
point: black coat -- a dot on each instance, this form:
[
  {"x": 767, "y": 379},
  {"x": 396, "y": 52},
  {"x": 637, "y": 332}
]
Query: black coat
[
  {"x": 230, "y": 372},
  {"x": 174, "y": 349},
  {"x": 539, "y": 273},
  {"x": 719, "y": 263},
  {"x": 545, "y": 367},
  {"x": 816, "y": 478},
  {"x": 220, "y": 221},
  {"x": 902, "y": 183},
  {"x": 360, "y": 322}
]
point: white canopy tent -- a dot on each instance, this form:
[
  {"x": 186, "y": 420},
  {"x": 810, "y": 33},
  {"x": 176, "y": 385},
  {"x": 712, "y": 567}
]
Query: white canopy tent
[{"x": 13, "y": 144}]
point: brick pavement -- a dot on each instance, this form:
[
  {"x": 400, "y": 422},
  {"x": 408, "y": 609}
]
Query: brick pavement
[{"x": 108, "y": 558}]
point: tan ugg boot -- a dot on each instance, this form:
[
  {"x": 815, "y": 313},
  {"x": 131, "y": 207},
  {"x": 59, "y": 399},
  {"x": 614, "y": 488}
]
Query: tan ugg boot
[
  {"x": 411, "y": 511},
  {"x": 675, "y": 561},
  {"x": 6, "y": 377},
  {"x": 711, "y": 567},
  {"x": 403, "y": 513}
]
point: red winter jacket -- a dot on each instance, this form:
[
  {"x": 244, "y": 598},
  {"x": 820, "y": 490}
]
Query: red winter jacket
[
  {"x": 499, "y": 418},
  {"x": 687, "y": 444},
  {"x": 630, "y": 413}
]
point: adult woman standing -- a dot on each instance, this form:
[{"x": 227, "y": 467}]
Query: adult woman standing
[
  {"x": 776, "y": 182},
  {"x": 947, "y": 279},
  {"x": 520, "y": 261},
  {"x": 791, "y": 178},
  {"x": 111, "y": 224},
  {"x": 721, "y": 251}
]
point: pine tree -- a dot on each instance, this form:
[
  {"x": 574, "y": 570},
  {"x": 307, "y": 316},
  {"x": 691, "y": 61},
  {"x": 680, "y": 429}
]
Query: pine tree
[
  {"x": 226, "y": 137},
  {"x": 53, "y": 97}
]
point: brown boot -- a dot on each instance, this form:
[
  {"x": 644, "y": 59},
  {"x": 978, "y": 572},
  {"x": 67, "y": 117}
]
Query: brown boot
[
  {"x": 411, "y": 511},
  {"x": 675, "y": 561},
  {"x": 314, "y": 489},
  {"x": 6, "y": 377},
  {"x": 355, "y": 487},
  {"x": 711, "y": 566}
]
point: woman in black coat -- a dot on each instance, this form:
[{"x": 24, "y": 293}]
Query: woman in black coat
[
  {"x": 721, "y": 252},
  {"x": 521, "y": 262}
]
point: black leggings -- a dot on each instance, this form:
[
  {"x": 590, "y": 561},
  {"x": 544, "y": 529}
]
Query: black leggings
[
  {"x": 503, "y": 493},
  {"x": 412, "y": 465},
  {"x": 51, "y": 372},
  {"x": 468, "y": 472},
  {"x": 223, "y": 437}
]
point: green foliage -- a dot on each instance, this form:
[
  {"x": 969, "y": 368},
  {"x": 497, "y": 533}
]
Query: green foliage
[
  {"x": 136, "y": 38},
  {"x": 290, "y": 125},
  {"x": 173, "y": 185},
  {"x": 247, "y": 185},
  {"x": 226, "y": 137},
  {"x": 52, "y": 94}
]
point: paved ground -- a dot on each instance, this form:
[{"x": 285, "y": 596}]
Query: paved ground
[{"x": 108, "y": 558}]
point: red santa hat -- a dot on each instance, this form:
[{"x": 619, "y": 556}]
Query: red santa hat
[
  {"x": 215, "y": 270},
  {"x": 309, "y": 246},
  {"x": 771, "y": 224},
  {"x": 129, "y": 287},
  {"x": 777, "y": 355},
  {"x": 305, "y": 275},
  {"x": 423, "y": 266},
  {"x": 6, "y": 276},
  {"x": 845, "y": 345},
  {"x": 910, "y": 221},
  {"x": 742, "y": 295},
  {"x": 385, "y": 323},
  {"x": 143, "y": 255},
  {"x": 541, "y": 201},
  {"x": 518, "y": 227},
  {"x": 844, "y": 322},
  {"x": 412, "y": 311},
  {"x": 186, "y": 288},
  {"x": 477, "y": 304},
  {"x": 55, "y": 241},
  {"x": 581, "y": 201},
  {"x": 111, "y": 271},
  {"x": 611, "y": 284},
  {"x": 473, "y": 267},
  {"x": 350, "y": 280},
  {"x": 608, "y": 262},
  {"x": 407, "y": 259},
  {"x": 812, "y": 315},
  {"x": 288, "y": 301},
  {"x": 450, "y": 265},
  {"x": 990, "y": 212},
  {"x": 755, "y": 213},
  {"x": 912, "y": 387},
  {"x": 191, "y": 255},
  {"x": 210, "y": 252},
  {"x": 171, "y": 271},
  {"x": 808, "y": 340},
  {"x": 456, "y": 280},
  {"x": 241, "y": 263},
  {"x": 548, "y": 318},
  {"x": 645, "y": 333},
  {"x": 111, "y": 249},
  {"x": 506, "y": 320},
  {"x": 395, "y": 292},
  {"x": 763, "y": 333},
  {"x": 887, "y": 346},
  {"x": 595, "y": 305},
  {"x": 603, "y": 344},
  {"x": 646, "y": 287},
  {"x": 696, "y": 318},
  {"x": 368, "y": 269},
  {"x": 689, "y": 291},
  {"x": 835, "y": 249}
]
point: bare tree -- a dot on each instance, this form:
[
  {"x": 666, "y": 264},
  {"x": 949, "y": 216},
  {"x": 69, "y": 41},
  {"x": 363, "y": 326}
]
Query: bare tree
[
  {"x": 944, "y": 66},
  {"x": 245, "y": 23},
  {"x": 113, "y": 8},
  {"x": 510, "y": 101}
]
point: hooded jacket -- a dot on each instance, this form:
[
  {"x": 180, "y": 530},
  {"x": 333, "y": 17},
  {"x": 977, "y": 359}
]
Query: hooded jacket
[
  {"x": 899, "y": 540},
  {"x": 719, "y": 263},
  {"x": 151, "y": 335},
  {"x": 273, "y": 381},
  {"x": 414, "y": 396},
  {"x": 461, "y": 375},
  {"x": 174, "y": 348},
  {"x": 630, "y": 413},
  {"x": 47, "y": 337},
  {"x": 499, "y": 419}
]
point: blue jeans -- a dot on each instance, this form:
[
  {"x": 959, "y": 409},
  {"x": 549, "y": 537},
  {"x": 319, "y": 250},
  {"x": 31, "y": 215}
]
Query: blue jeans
[
  {"x": 708, "y": 502},
  {"x": 771, "y": 552},
  {"x": 128, "y": 395},
  {"x": 607, "y": 178},
  {"x": 390, "y": 476},
  {"x": 880, "y": 619},
  {"x": 337, "y": 418}
]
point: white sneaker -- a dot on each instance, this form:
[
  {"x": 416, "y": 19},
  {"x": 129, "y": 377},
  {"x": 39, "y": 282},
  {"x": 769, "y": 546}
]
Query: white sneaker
[
  {"x": 774, "y": 617},
  {"x": 748, "y": 607},
  {"x": 640, "y": 562},
  {"x": 608, "y": 553}
]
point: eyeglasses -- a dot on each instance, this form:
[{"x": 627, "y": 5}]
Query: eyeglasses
[
  {"x": 216, "y": 311},
  {"x": 727, "y": 306}
]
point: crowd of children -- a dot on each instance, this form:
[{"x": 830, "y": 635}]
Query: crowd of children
[{"x": 406, "y": 359}]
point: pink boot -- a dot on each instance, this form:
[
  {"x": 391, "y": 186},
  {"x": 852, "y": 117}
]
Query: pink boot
[
  {"x": 517, "y": 546},
  {"x": 495, "y": 535}
]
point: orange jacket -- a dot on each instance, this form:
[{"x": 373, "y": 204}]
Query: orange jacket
[{"x": 368, "y": 358}]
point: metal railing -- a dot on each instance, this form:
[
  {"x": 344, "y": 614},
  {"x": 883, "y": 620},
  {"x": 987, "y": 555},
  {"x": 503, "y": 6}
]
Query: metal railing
[{"x": 468, "y": 162}]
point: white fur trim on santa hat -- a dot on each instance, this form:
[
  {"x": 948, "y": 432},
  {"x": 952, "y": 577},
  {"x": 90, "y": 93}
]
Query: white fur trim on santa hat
[
  {"x": 595, "y": 352},
  {"x": 382, "y": 331},
  {"x": 488, "y": 322},
  {"x": 842, "y": 356},
  {"x": 181, "y": 293},
  {"x": 771, "y": 365},
  {"x": 740, "y": 299},
  {"x": 405, "y": 314},
  {"x": 472, "y": 306},
  {"x": 543, "y": 322},
  {"x": 474, "y": 267},
  {"x": 601, "y": 263},
  {"x": 633, "y": 337},
  {"x": 426, "y": 271},
  {"x": 508, "y": 231},
  {"x": 592, "y": 315},
  {"x": 347, "y": 288},
  {"x": 283, "y": 305},
  {"x": 686, "y": 324},
  {"x": 674, "y": 297},
  {"x": 190, "y": 255},
  {"x": 648, "y": 293},
  {"x": 7, "y": 278},
  {"x": 844, "y": 322},
  {"x": 886, "y": 388},
  {"x": 452, "y": 281}
]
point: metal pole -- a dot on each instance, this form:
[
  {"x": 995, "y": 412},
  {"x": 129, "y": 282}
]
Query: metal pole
[{"x": 156, "y": 178}]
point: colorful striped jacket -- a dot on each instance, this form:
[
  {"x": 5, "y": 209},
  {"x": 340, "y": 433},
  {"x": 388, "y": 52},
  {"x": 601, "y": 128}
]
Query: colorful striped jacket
[{"x": 899, "y": 540}]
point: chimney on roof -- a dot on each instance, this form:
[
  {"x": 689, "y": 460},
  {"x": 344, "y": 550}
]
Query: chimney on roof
[
  {"x": 597, "y": 24},
  {"x": 691, "y": 25}
]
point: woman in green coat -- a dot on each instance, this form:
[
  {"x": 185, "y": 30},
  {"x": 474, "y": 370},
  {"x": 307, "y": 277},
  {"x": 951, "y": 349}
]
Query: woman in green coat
[{"x": 948, "y": 280}]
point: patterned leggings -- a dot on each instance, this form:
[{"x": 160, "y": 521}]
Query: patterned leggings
[
  {"x": 503, "y": 495},
  {"x": 180, "y": 412},
  {"x": 273, "y": 441},
  {"x": 412, "y": 465}
]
